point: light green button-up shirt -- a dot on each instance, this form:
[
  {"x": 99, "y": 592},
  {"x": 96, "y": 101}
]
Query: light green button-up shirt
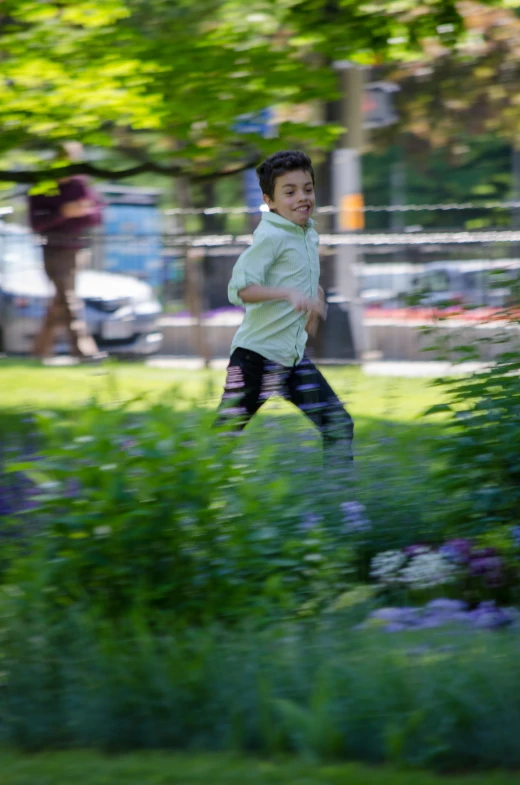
[{"x": 283, "y": 254}]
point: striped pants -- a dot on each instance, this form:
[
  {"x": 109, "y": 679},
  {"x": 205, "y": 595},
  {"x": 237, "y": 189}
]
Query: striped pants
[{"x": 251, "y": 380}]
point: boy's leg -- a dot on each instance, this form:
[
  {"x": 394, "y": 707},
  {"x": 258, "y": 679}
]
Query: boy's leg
[
  {"x": 244, "y": 389},
  {"x": 311, "y": 393}
]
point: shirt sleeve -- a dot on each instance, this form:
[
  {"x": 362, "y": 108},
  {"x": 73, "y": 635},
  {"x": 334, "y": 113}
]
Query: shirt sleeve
[{"x": 251, "y": 268}]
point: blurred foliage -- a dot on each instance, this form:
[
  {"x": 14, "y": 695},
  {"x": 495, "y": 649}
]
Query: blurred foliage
[
  {"x": 458, "y": 119},
  {"x": 437, "y": 178},
  {"x": 167, "y": 587},
  {"x": 161, "y": 510},
  {"x": 161, "y": 82},
  {"x": 479, "y": 471},
  {"x": 452, "y": 93},
  {"x": 320, "y": 690},
  {"x": 197, "y": 768}
]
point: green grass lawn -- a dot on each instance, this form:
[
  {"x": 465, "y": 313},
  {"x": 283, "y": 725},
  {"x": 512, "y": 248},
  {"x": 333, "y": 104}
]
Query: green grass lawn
[
  {"x": 25, "y": 385},
  {"x": 88, "y": 768}
]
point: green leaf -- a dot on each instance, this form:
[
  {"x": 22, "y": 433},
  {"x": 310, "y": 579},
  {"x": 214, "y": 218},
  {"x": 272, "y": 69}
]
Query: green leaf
[{"x": 438, "y": 409}]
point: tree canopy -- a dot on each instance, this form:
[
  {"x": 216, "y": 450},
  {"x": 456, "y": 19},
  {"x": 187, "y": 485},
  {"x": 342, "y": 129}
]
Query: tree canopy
[{"x": 158, "y": 85}]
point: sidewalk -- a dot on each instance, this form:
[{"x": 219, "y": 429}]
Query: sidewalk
[
  {"x": 371, "y": 368},
  {"x": 402, "y": 368},
  {"x": 411, "y": 368}
]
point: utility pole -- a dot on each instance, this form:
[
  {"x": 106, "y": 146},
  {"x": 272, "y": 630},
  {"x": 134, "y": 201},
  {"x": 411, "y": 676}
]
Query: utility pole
[
  {"x": 515, "y": 184},
  {"x": 348, "y": 194}
]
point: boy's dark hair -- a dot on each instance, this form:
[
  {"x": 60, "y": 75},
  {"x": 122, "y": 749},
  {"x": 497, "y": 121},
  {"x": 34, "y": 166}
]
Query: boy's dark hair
[{"x": 280, "y": 163}]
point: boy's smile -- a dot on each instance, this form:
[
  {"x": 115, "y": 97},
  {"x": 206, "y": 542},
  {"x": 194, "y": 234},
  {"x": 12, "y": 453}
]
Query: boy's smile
[{"x": 293, "y": 197}]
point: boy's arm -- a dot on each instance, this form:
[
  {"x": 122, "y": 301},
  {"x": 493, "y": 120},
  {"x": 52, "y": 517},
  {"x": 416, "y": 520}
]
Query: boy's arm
[
  {"x": 247, "y": 283},
  {"x": 251, "y": 269},
  {"x": 261, "y": 294}
]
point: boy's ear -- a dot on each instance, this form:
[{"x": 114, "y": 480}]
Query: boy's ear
[{"x": 267, "y": 200}]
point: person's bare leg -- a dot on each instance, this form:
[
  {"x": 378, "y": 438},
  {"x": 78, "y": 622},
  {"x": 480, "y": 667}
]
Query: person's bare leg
[
  {"x": 83, "y": 345},
  {"x": 44, "y": 341}
]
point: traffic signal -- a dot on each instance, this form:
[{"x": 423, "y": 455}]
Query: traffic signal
[{"x": 378, "y": 104}]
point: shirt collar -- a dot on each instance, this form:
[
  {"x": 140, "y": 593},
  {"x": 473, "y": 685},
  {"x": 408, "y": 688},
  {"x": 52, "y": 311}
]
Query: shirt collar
[{"x": 278, "y": 219}]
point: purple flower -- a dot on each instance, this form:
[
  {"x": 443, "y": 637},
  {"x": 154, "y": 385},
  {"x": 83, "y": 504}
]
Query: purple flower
[
  {"x": 353, "y": 509},
  {"x": 387, "y": 614},
  {"x": 483, "y": 553},
  {"x": 310, "y": 521},
  {"x": 72, "y": 489},
  {"x": 515, "y": 534},
  {"x": 395, "y": 627},
  {"x": 354, "y": 517},
  {"x": 485, "y": 565},
  {"x": 414, "y": 550},
  {"x": 457, "y": 551},
  {"x": 489, "y": 568},
  {"x": 487, "y": 615},
  {"x": 446, "y": 605},
  {"x": 443, "y": 611},
  {"x": 406, "y": 616}
]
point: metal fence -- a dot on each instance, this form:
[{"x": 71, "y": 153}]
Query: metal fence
[
  {"x": 384, "y": 263},
  {"x": 189, "y": 274}
]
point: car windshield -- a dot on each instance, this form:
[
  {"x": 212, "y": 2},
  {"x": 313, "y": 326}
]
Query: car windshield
[{"x": 19, "y": 252}]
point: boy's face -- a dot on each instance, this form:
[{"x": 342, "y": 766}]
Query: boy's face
[{"x": 293, "y": 197}]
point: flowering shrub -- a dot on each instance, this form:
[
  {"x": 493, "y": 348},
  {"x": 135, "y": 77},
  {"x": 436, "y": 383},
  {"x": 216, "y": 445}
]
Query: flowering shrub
[
  {"x": 157, "y": 508},
  {"x": 386, "y": 567},
  {"x": 441, "y": 613},
  {"x": 427, "y": 568},
  {"x": 355, "y": 517},
  {"x": 416, "y": 567},
  {"x": 460, "y": 566}
]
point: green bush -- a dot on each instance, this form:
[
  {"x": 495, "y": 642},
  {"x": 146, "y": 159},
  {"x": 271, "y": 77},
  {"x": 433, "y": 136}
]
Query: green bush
[
  {"x": 479, "y": 468},
  {"x": 478, "y": 459},
  {"x": 175, "y": 587},
  {"x": 323, "y": 690},
  {"x": 158, "y": 509}
]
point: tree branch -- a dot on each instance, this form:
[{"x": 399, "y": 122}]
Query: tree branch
[{"x": 32, "y": 177}]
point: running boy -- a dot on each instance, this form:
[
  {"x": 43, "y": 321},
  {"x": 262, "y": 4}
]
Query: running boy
[{"x": 276, "y": 280}]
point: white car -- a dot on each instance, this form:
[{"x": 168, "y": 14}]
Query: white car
[{"x": 121, "y": 312}]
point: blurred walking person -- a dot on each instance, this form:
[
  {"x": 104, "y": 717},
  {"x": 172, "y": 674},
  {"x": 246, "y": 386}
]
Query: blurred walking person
[{"x": 63, "y": 220}]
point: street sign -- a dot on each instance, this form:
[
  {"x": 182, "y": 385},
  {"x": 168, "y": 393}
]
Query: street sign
[
  {"x": 254, "y": 123},
  {"x": 378, "y": 106},
  {"x": 252, "y": 192}
]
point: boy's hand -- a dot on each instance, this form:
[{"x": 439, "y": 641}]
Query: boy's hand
[
  {"x": 314, "y": 318},
  {"x": 303, "y": 304}
]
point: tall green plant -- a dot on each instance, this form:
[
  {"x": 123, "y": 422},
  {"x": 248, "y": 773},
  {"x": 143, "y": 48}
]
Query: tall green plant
[
  {"x": 480, "y": 467},
  {"x": 159, "y": 509}
]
